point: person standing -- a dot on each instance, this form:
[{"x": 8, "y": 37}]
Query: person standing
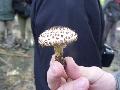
[
  {"x": 83, "y": 16},
  {"x": 112, "y": 13},
  {"x": 22, "y": 9},
  {"x": 6, "y": 23}
]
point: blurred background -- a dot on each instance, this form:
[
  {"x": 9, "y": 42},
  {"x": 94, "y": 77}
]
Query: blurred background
[{"x": 16, "y": 43}]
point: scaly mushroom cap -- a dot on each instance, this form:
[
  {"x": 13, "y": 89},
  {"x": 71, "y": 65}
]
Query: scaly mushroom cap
[{"x": 57, "y": 35}]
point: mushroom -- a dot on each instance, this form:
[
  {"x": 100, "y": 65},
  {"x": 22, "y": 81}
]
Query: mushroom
[{"x": 58, "y": 37}]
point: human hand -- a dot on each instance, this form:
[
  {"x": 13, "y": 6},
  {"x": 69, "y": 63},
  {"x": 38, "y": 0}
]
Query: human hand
[
  {"x": 78, "y": 77},
  {"x": 57, "y": 78}
]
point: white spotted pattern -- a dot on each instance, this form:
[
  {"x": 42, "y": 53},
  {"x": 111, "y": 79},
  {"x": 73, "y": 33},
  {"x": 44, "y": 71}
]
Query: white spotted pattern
[{"x": 57, "y": 35}]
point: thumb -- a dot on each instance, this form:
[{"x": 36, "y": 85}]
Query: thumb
[
  {"x": 74, "y": 71},
  {"x": 79, "y": 84}
]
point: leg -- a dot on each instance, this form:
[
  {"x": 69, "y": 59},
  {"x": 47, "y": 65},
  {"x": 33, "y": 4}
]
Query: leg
[
  {"x": 9, "y": 37},
  {"x": 22, "y": 23},
  {"x": 28, "y": 29},
  {"x": 2, "y": 30},
  {"x": 108, "y": 26},
  {"x": 112, "y": 35},
  {"x": 29, "y": 36},
  {"x": 9, "y": 25}
]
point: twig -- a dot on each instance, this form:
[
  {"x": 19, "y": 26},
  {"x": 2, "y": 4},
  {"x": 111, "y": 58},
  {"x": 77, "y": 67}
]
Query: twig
[
  {"x": 5, "y": 62},
  {"x": 16, "y": 54}
]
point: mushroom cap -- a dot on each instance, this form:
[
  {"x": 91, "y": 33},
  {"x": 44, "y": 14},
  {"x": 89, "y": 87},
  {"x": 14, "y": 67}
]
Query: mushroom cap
[{"x": 57, "y": 35}]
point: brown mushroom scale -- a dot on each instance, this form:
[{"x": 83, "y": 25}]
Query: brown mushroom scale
[{"x": 58, "y": 37}]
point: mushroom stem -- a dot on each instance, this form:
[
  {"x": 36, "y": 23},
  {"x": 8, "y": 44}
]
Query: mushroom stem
[{"x": 59, "y": 54}]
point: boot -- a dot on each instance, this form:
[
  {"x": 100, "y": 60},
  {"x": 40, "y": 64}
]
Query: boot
[
  {"x": 9, "y": 41},
  {"x": 25, "y": 45}
]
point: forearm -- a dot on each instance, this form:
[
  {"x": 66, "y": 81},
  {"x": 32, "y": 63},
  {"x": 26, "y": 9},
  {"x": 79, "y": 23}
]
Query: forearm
[{"x": 117, "y": 77}]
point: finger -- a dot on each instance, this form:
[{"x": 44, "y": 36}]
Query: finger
[
  {"x": 56, "y": 75},
  {"x": 93, "y": 74},
  {"x": 72, "y": 68},
  {"x": 79, "y": 84},
  {"x": 74, "y": 71}
]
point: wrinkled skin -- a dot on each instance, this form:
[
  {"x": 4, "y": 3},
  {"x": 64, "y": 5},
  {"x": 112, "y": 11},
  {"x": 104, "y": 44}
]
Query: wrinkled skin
[{"x": 75, "y": 77}]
